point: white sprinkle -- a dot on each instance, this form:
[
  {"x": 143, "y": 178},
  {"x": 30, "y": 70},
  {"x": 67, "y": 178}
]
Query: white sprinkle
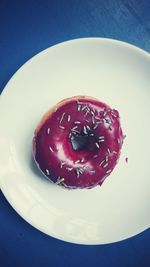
[
  {"x": 91, "y": 134},
  {"x": 108, "y": 171},
  {"x": 88, "y": 127},
  {"x": 47, "y": 171},
  {"x": 81, "y": 170},
  {"x": 106, "y": 158},
  {"x": 95, "y": 127},
  {"x": 86, "y": 113},
  {"x": 102, "y": 140},
  {"x": 61, "y": 127},
  {"x": 97, "y": 145},
  {"x": 77, "y": 161},
  {"x": 68, "y": 118},
  {"x": 101, "y": 137},
  {"x": 84, "y": 107},
  {"x": 104, "y": 166},
  {"x": 85, "y": 130},
  {"x": 114, "y": 152},
  {"x": 62, "y": 164},
  {"x": 50, "y": 148},
  {"x": 69, "y": 169},
  {"x": 75, "y": 132},
  {"x": 104, "y": 113},
  {"x": 77, "y": 122},
  {"x": 87, "y": 120},
  {"x": 70, "y": 135},
  {"x": 74, "y": 128},
  {"x": 82, "y": 160},
  {"x": 62, "y": 118},
  {"x": 108, "y": 150},
  {"x": 102, "y": 162},
  {"x": 118, "y": 141},
  {"x": 95, "y": 156},
  {"x": 91, "y": 172},
  {"x": 48, "y": 131},
  {"x": 92, "y": 113},
  {"x": 114, "y": 115},
  {"x": 77, "y": 173},
  {"x": 79, "y": 106},
  {"x": 59, "y": 180},
  {"x": 93, "y": 120}
]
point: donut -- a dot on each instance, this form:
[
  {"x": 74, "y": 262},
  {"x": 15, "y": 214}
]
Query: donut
[{"x": 78, "y": 142}]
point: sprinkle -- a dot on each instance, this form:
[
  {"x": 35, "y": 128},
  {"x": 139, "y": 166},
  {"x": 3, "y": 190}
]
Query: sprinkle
[
  {"x": 91, "y": 172},
  {"x": 91, "y": 134},
  {"x": 92, "y": 113},
  {"x": 82, "y": 160},
  {"x": 87, "y": 120},
  {"x": 95, "y": 127},
  {"x": 118, "y": 141},
  {"x": 102, "y": 162},
  {"x": 98, "y": 122},
  {"x": 114, "y": 115},
  {"x": 81, "y": 170},
  {"x": 47, "y": 171},
  {"x": 68, "y": 118},
  {"x": 106, "y": 158},
  {"x": 104, "y": 166},
  {"x": 74, "y": 128},
  {"x": 104, "y": 113},
  {"x": 76, "y": 132},
  {"x": 101, "y": 140},
  {"x": 50, "y": 148},
  {"x": 95, "y": 156},
  {"x": 77, "y": 122},
  {"x": 61, "y": 127},
  {"x": 59, "y": 180},
  {"x": 93, "y": 120},
  {"x": 69, "y": 169},
  {"x": 62, "y": 164},
  {"x": 114, "y": 152},
  {"x": 88, "y": 127},
  {"x": 77, "y": 173},
  {"x": 77, "y": 161},
  {"x": 62, "y": 118},
  {"x": 70, "y": 135},
  {"x": 97, "y": 145},
  {"x": 108, "y": 150},
  {"x": 87, "y": 111},
  {"x": 85, "y": 130},
  {"x": 48, "y": 131},
  {"x": 108, "y": 171},
  {"x": 79, "y": 105},
  {"x": 101, "y": 137},
  {"x": 84, "y": 107}
]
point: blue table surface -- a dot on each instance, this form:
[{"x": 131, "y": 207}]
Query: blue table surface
[{"x": 26, "y": 28}]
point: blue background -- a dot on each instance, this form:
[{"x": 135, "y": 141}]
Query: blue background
[{"x": 26, "y": 28}]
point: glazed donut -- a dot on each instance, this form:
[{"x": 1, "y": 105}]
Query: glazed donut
[{"x": 77, "y": 144}]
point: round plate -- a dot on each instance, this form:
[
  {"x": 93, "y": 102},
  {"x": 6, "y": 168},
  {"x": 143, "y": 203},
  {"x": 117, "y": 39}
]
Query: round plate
[{"x": 116, "y": 73}]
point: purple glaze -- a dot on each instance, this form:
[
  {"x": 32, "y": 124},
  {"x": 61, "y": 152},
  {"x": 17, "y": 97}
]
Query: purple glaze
[{"x": 89, "y": 166}]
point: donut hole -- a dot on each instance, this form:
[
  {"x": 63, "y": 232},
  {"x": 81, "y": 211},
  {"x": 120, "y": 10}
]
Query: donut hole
[{"x": 83, "y": 142}]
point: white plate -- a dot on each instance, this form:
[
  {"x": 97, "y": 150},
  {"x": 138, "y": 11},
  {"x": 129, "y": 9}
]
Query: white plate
[{"x": 118, "y": 74}]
